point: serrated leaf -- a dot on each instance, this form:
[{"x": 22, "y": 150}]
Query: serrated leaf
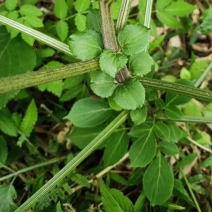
[
  {"x": 159, "y": 103},
  {"x": 81, "y": 137},
  {"x": 11, "y": 4},
  {"x": 29, "y": 119},
  {"x": 6, "y": 124},
  {"x": 130, "y": 95},
  {"x": 143, "y": 150},
  {"x": 10, "y": 66},
  {"x": 168, "y": 20},
  {"x": 162, "y": 131},
  {"x": 93, "y": 21},
  {"x": 47, "y": 52},
  {"x": 102, "y": 84},
  {"x": 139, "y": 115},
  {"x": 86, "y": 45},
  {"x": 111, "y": 62},
  {"x": 160, "y": 4},
  {"x": 33, "y": 21},
  {"x": 179, "y": 8},
  {"x": 133, "y": 39},
  {"x": 30, "y": 10},
  {"x": 89, "y": 112},
  {"x": 139, "y": 130},
  {"x": 141, "y": 64},
  {"x": 3, "y": 150},
  {"x": 7, "y": 194},
  {"x": 186, "y": 160},
  {"x": 169, "y": 148},
  {"x": 82, "y": 5},
  {"x": 185, "y": 74},
  {"x": 81, "y": 180},
  {"x": 116, "y": 148},
  {"x": 80, "y": 22},
  {"x": 62, "y": 29},
  {"x": 173, "y": 113},
  {"x": 60, "y": 9},
  {"x": 114, "y": 200},
  {"x": 158, "y": 181}
]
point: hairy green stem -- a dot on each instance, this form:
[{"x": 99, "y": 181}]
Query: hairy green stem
[
  {"x": 40, "y": 77},
  {"x": 176, "y": 88},
  {"x": 62, "y": 47},
  {"x": 194, "y": 119},
  {"x": 123, "y": 14},
  {"x": 109, "y": 35},
  {"x": 14, "y": 173},
  {"x": 118, "y": 121},
  {"x": 108, "y": 31}
]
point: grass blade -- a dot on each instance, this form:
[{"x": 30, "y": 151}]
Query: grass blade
[{"x": 62, "y": 47}]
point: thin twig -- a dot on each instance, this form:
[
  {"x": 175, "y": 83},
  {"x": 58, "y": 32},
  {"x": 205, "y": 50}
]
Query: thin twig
[
  {"x": 102, "y": 173},
  {"x": 199, "y": 145}
]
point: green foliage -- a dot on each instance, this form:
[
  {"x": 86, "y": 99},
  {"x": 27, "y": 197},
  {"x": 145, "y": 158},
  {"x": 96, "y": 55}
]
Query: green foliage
[
  {"x": 7, "y": 194},
  {"x": 102, "y": 84},
  {"x": 111, "y": 62},
  {"x": 82, "y": 5},
  {"x": 141, "y": 64},
  {"x": 3, "y": 150},
  {"x": 139, "y": 115},
  {"x": 80, "y": 21},
  {"x": 186, "y": 160},
  {"x": 162, "y": 131},
  {"x": 89, "y": 112},
  {"x": 6, "y": 124},
  {"x": 143, "y": 150},
  {"x": 130, "y": 95},
  {"x": 29, "y": 119},
  {"x": 62, "y": 29},
  {"x": 114, "y": 200},
  {"x": 86, "y": 45},
  {"x": 173, "y": 113},
  {"x": 30, "y": 10},
  {"x": 150, "y": 130},
  {"x": 60, "y": 9},
  {"x": 93, "y": 21},
  {"x": 11, "y": 4},
  {"x": 59, "y": 208},
  {"x": 10, "y": 66},
  {"x": 133, "y": 39},
  {"x": 169, "y": 148},
  {"x": 117, "y": 145},
  {"x": 158, "y": 181}
]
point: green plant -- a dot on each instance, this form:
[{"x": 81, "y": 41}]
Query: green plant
[{"x": 121, "y": 72}]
